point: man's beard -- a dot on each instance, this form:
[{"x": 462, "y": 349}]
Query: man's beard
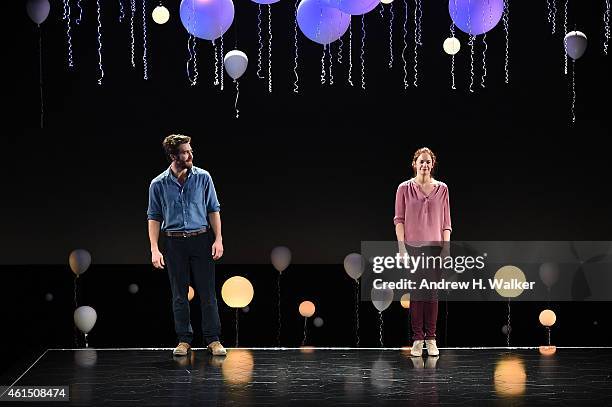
[{"x": 185, "y": 164}]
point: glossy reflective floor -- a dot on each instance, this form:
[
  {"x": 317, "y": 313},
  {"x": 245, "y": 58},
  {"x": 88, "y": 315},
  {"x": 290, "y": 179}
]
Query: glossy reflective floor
[{"x": 328, "y": 377}]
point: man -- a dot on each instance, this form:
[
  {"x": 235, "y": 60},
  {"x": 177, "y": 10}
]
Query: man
[{"x": 180, "y": 199}]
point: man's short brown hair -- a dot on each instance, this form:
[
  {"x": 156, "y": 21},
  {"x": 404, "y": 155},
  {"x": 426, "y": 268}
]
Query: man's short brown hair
[{"x": 172, "y": 142}]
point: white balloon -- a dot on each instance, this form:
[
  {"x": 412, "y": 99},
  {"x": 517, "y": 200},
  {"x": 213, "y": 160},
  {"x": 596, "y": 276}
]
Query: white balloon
[
  {"x": 382, "y": 298},
  {"x": 575, "y": 44},
  {"x": 79, "y": 261},
  {"x": 281, "y": 258},
  {"x": 386, "y": 1},
  {"x": 318, "y": 322},
  {"x": 451, "y": 45},
  {"x": 549, "y": 274},
  {"x": 49, "y": 297},
  {"x": 85, "y": 318},
  {"x": 133, "y": 288},
  {"x": 353, "y": 265},
  {"x": 160, "y": 15},
  {"x": 235, "y": 63}
]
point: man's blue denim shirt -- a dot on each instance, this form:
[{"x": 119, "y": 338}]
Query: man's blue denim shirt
[{"x": 184, "y": 207}]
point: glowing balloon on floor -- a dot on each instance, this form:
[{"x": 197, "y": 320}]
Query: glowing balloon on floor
[
  {"x": 237, "y": 292},
  {"x": 381, "y": 299},
  {"x": 190, "y": 293},
  {"x": 85, "y": 318},
  {"x": 306, "y": 309}
]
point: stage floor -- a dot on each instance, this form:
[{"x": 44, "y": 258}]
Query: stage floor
[{"x": 326, "y": 376}]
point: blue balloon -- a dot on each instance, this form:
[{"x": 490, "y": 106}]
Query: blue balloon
[
  {"x": 475, "y": 16},
  {"x": 353, "y": 7},
  {"x": 265, "y": 1},
  {"x": 320, "y": 23},
  {"x": 207, "y": 19}
]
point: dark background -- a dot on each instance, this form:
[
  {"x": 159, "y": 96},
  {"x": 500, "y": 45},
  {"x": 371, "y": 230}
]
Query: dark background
[{"x": 316, "y": 171}]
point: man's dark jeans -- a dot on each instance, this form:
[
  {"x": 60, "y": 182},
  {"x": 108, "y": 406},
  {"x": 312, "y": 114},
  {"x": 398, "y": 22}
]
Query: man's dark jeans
[{"x": 193, "y": 254}]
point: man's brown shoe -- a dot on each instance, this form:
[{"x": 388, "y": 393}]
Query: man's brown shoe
[
  {"x": 181, "y": 349},
  {"x": 216, "y": 348}
]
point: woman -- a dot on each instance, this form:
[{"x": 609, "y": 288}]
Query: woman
[{"x": 423, "y": 225}]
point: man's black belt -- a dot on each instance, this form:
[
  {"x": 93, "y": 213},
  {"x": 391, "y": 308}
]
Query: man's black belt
[{"x": 186, "y": 234}]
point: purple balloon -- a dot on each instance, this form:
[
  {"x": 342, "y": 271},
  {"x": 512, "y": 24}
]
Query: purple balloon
[
  {"x": 265, "y": 1},
  {"x": 353, "y": 7},
  {"x": 207, "y": 19},
  {"x": 38, "y": 10},
  {"x": 475, "y": 16},
  {"x": 320, "y": 23}
]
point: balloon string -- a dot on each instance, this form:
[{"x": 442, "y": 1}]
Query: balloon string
[
  {"x": 221, "y": 62},
  {"x": 80, "y": 17},
  {"x": 331, "y": 63},
  {"x": 269, "y": 48},
  {"x": 68, "y": 35},
  {"x": 484, "y": 60},
  {"x": 236, "y": 101},
  {"x": 606, "y": 19},
  {"x": 340, "y": 46},
  {"x": 194, "y": 44},
  {"x": 86, "y": 343},
  {"x": 305, "y": 331},
  {"x": 363, "y": 37},
  {"x": 405, "y": 45},
  {"x": 416, "y": 44},
  {"x": 260, "y": 42},
  {"x": 121, "y": 11},
  {"x": 554, "y": 16},
  {"x": 420, "y": 22},
  {"x": 40, "y": 74},
  {"x": 471, "y": 44},
  {"x": 381, "y": 10},
  {"x": 216, "y": 81},
  {"x": 100, "y": 44},
  {"x": 564, "y": 33},
  {"x": 350, "y": 71},
  {"x": 295, "y": 42},
  {"x": 278, "y": 308},
  {"x": 380, "y": 332},
  {"x": 391, "y": 35},
  {"x": 144, "y": 37},
  {"x": 236, "y": 327},
  {"x": 323, "y": 66},
  {"x": 132, "y": 12},
  {"x": 357, "y": 312},
  {"x": 548, "y": 329},
  {"x": 507, "y": 32},
  {"x": 573, "y": 91},
  {"x": 508, "y": 326}
]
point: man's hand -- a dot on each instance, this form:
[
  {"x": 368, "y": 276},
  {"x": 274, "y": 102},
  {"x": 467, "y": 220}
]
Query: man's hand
[
  {"x": 157, "y": 259},
  {"x": 217, "y": 250}
]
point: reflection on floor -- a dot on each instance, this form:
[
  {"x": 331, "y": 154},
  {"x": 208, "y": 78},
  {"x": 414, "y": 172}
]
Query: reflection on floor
[{"x": 566, "y": 376}]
